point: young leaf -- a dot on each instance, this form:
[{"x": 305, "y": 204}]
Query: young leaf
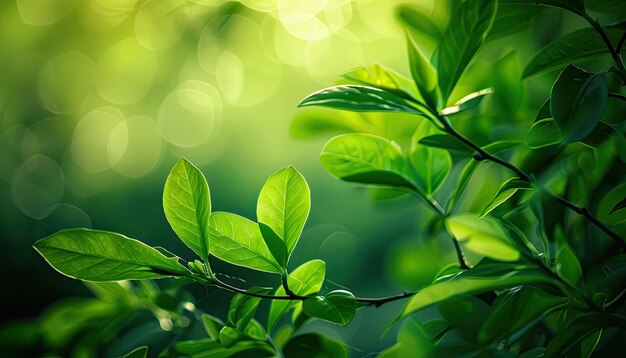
[
  {"x": 255, "y": 330},
  {"x": 367, "y": 159},
  {"x": 576, "y": 6},
  {"x": 314, "y": 345},
  {"x": 336, "y": 306},
  {"x": 446, "y": 141},
  {"x": 575, "y": 47},
  {"x": 238, "y": 241},
  {"x": 507, "y": 189},
  {"x": 468, "y": 102},
  {"x": 466, "y": 33},
  {"x": 243, "y": 307},
  {"x": 464, "y": 178},
  {"x": 567, "y": 266},
  {"x": 359, "y": 99},
  {"x": 619, "y": 206},
  {"x": 379, "y": 76},
  {"x": 92, "y": 255},
  {"x": 307, "y": 279},
  {"x": 543, "y": 133},
  {"x": 431, "y": 166},
  {"x": 416, "y": 21},
  {"x": 516, "y": 311},
  {"x": 229, "y": 336},
  {"x": 578, "y": 100},
  {"x": 483, "y": 236},
  {"x": 187, "y": 206},
  {"x": 284, "y": 205},
  {"x": 498, "y": 276},
  {"x": 424, "y": 74},
  {"x": 212, "y": 325},
  {"x": 275, "y": 244}
]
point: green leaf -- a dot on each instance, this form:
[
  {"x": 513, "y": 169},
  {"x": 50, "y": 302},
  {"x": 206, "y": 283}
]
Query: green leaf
[
  {"x": 507, "y": 189},
  {"x": 92, "y": 255},
  {"x": 578, "y": 100},
  {"x": 139, "y": 352},
  {"x": 466, "y": 32},
  {"x": 415, "y": 21},
  {"x": 306, "y": 280},
  {"x": 212, "y": 325},
  {"x": 543, "y": 133},
  {"x": 516, "y": 311},
  {"x": 243, "y": 307},
  {"x": 336, "y": 306},
  {"x": 228, "y": 336},
  {"x": 359, "y": 99},
  {"x": 483, "y": 236},
  {"x": 431, "y": 166},
  {"x": 510, "y": 20},
  {"x": 284, "y": 205},
  {"x": 567, "y": 266},
  {"x": 367, "y": 159},
  {"x": 600, "y": 134},
  {"x": 255, "y": 330},
  {"x": 187, "y": 205},
  {"x": 470, "y": 101},
  {"x": 412, "y": 341},
  {"x": 578, "y": 46},
  {"x": 479, "y": 279},
  {"x": 571, "y": 5},
  {"x": 275, "y": 244},
  {"x": 208, "y": 348},
  {"x": 544, "y": 111},
  {"x": 312, "y": 345},
  {"x": 446, "y": 141},
  {"x": 619, "y": 206},
  {"x": 379, "y": 76},
  {"x": 581, "y": 327},
  {"x": 464, "y": 178},
  {"x": 237, "y": 240},
  {"x": 424, "y": 74}
]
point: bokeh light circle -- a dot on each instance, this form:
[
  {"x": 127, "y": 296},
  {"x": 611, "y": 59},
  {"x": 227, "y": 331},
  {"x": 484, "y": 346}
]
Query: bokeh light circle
[
  {"x": 160, "y": 23},
  {"x": 134, "y": 147},
  {"x": 90, "y": 141},
  {"x": 65, "y": 82},
  {"x": 38, "y": 184}
]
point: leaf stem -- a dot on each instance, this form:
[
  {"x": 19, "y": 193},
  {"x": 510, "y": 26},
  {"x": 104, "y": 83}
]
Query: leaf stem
[{"x": 481, "y": 154}]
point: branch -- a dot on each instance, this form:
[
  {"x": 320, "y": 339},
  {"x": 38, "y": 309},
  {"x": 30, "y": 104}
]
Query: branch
[
  {"x": 615, "y": 53},
  {"x": 617, "y": 95},
  {"x": 481, "y": 154}
]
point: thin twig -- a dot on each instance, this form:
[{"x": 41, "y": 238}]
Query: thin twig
[{"x": 617, "y": 95}]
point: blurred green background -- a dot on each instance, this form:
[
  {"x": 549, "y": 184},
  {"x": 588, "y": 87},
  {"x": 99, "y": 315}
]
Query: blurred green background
[{"x": 98, "y": 99}]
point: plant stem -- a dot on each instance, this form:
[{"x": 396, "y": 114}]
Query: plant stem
[
  {"x": 615, "y": 53},
  {"x": 617, "y": 95},
  {"x": 481, "y": 154}
]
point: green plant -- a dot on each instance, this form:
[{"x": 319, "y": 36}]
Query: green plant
[{"x": 536, "y": 275}]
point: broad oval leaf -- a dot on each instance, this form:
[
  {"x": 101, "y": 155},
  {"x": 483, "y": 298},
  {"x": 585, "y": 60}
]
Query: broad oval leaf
[
  {"x": 93, "y": 255},
  {"x": 284, "y": 205},
  {"x": 367, "y": 159},
  {"x": 237, "y": 240},
  {"x": 187, "y": 206},
  {"x": 468, "y": 102},
  {"x": 359, "y": 99},
  {"x": 431, "y": 165},
  {"x": 575, "y": 47},
  {"x": 578, "y": 100},
  {"x": 567, "y": 266},
  {"x": 483, "y": 236},
  {"x": 471, "y": 282},
  {"x": 466, "y": 32},
  {"x": 543, "y": 133},
  {"x": 516, "y": 311},
  {"x": 424, "y": 74},
  {"x": 305, "y": 280},
  {"x": 314, "y": 345},
  {"x": 243, "y": 307},
  {"x": 336, "y": 306},
  {"x": 506, "y": 191}
]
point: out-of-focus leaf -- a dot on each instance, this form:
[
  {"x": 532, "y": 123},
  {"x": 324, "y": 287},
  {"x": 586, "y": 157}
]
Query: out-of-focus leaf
[
  {"x": 243, "y": 307},
  {"x": 571, "y": 5},
  {"x": 613, "y": 7},
  {"x": 306, "y": 280},
  {"x": 581, "y": 327},
  {"x": 412, "y": 341},
  {"x": 468, "y": 102},
  {"x": 483, "y": 236},
  {"x": 187, "y": 206},
  {"x": 367, "y": 159},
  {"x": 139, "y": 352},
  {"x": 543, "y": 133},
  {"x": 511, "y": 19},
  {"x": 312, "y": 345},
  {"x": 619, "y": 206},
  {"x": 516, "y": 311},
  {"x": 212, "y": 325},
  {"x": 359, "y": 99},
  {"x": 238, "y": 241},
  {"x": 575, "y": 47},
  {"x": 578, "y": 100},
  {"x": 208, "y": 348},
  {"x": 284, "y": 205},
  {"x": 423, "y": 72},
  {"x": 567, "y": 266},
  {"x": 93, "y": 255},
  {"x": 336, "y": 306},
  {"x": 465, "y": 34},
  {"x": 544, "y": 111},
  {"x": 462, "y": 313},
  {"x": 600, "y": 134},
  {"x": 431, "y": 165},
  {"x": 416, "y": 21},
  {"x": 506, "y": 191}
]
